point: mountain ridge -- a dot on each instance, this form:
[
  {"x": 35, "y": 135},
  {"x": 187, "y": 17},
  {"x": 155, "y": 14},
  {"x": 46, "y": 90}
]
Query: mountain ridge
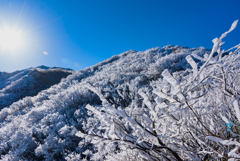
[
  {"x": 33, "y": 79},
  {"x": 51, "y": 119}
]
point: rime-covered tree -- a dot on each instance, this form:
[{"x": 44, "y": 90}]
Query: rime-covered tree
[{"x": 191, "y": 114}]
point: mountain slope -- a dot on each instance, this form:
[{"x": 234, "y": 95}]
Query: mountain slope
[
  {"x": 44, "y": 126},
  {"x": 28, "y": 82}
]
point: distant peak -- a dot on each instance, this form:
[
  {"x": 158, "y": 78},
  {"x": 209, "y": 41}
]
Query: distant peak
[
  {"x": 46, "y": 67},
  {"x": 43, "y": 67}
]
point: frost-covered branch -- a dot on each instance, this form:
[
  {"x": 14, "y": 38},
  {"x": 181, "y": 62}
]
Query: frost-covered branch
[{"x": 186, "y": 115}]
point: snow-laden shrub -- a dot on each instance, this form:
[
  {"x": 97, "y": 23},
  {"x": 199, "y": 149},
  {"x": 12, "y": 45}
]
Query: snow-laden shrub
[{"x": 191, "y": 114}]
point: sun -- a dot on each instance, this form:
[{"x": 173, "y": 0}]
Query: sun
[{"x": 10, "y": 39}]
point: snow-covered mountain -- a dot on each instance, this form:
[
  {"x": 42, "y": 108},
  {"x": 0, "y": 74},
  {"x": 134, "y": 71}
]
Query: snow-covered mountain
[
  {"x": 44, "y": 127},
  {"x": 170, "y": 103},
  {"x": 28, "y": 82}
]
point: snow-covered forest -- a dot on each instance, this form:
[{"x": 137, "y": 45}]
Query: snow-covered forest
[
  {"x": 170, "y": 103},
  {"x": 29, "y": 82}
]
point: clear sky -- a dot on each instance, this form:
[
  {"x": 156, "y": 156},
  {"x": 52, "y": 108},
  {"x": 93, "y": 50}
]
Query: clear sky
[{"x": 80, "y": 33}]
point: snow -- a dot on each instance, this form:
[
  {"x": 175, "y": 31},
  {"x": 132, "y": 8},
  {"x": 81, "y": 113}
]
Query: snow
[{"x": 133, "y": 106}]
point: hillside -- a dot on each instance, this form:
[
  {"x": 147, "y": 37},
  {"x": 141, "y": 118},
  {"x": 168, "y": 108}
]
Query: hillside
[
  {"x": 170, "y": 103},
  {"x": 29, "y": 82},
  {"x": 45, "y": 126}
]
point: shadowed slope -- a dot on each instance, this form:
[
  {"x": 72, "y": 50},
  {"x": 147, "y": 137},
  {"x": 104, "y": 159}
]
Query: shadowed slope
[{"x": 29, "y": 82}]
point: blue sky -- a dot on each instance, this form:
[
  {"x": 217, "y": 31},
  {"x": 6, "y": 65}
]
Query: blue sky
[{"x": 80, "y": 33}]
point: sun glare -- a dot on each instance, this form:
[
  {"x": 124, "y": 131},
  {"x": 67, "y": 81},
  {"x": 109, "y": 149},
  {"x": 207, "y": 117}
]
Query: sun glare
[{"x": 10, "y": 39}]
